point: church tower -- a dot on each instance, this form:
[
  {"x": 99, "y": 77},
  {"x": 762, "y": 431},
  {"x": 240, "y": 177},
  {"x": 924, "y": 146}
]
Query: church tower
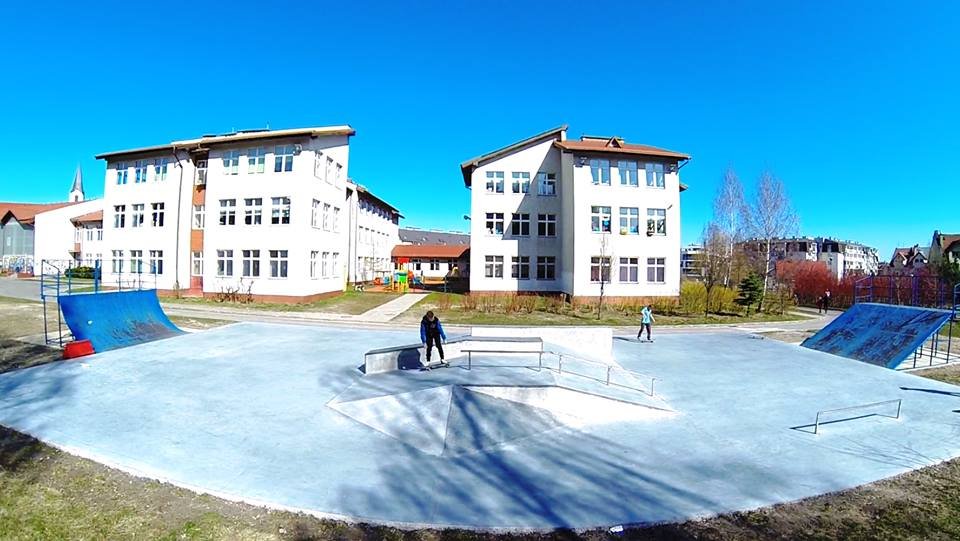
[{"x": 76, "y": 192}]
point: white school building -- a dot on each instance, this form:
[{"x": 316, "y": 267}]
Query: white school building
[
  {"x": 552, "y": 215},
  {"x": 267, "y": 213}
]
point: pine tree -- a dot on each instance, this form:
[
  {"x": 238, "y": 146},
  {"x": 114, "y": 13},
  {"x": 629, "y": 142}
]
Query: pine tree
[{"x": 751, "y": 291}]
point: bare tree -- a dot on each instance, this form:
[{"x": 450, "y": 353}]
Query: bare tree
[
  {"x": 605, "y": 265},
  {"x": 715, "y": 261},
  {"x": 729, "y": 217},
  {"x": 771, "y": 216}
]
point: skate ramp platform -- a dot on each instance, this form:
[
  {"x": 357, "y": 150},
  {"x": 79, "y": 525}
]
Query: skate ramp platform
[
  {"x": 117, "y": 319},
  {"x": 880, "y": 334}
]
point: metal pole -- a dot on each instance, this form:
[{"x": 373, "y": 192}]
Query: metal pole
[
  {"x": 608, "y": 374},
  {"x": 899, "y": 404},
  {"x": 560, "y": 364},
  {"x": 540, "y": 362},
  {"x": 816, "y": 426}
]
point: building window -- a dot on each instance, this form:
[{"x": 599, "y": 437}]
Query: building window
[
  {"x": 325, "y": 264},
  {"x": 629, "y": 221},
  {"x": 160, "y": 169},
  {"x": 546, "y": 267},
  {"x": 278, "y": 263},
  {"x": 493, "y": 267},
  {"x": 140, "y": 168},
  {"x": 200, "y": 175},
  {"x": 521, "y": 182},
  {"x": 196, "y": 263},
  {"x": 520, "y": 267},
  {"x": 136, "y": 215},
  {"x": 228, "y": 212},
  {"x": 116, "y": 261},
  {"x": 656, "y": 221},
  {"x": 520, "y": 225},
  {"x": 280, "y": 210},
  {"x": 494, "y": 181},
  {"x": 495, "y": 223},
  {"x": 199, "y": 216},
  {"x": 256, "y": 159},
  {"x": 547, "y": 225},
  {"x": 99, "y": 234},
  {"x": 231, "y": 162},
  {"x": 600, "y": 171},
  {"x": 600, "y": 219},
  {"x": 654, "y": 174},
  {"x": 119, "y": 216},
  {"x": 336, "y": 219},
  {"x": 328, "y": 170},
  {"x": 156, "y": 216},
  {"x": 547, "y": 183},
  {"x": 326, "y": 217},
  {"x": 156, "y": 261},
  {"x": 339, "y": 173},
  {"x": 313, "y": 264},
  {"x": 253, "y": 211},
  {"x": 250, "y": 264},
  {"x": 656, "y": 270},
  {"x": 335, "y": 263},
  {"x": 628, "y": 173},
  {"x": 318, "y": 162},
  {"x": 630, "y": 269},
  {"x": 122, "y": 173},
  {"x": 599, "y": 269},
  {"x": 315, "y": 214},
  {"x": 283, "y": 159},
  {"x": 434, "y": 264},
  {"x": 224, "y": 262},
  {"x": 136, "y": 261},
  {"x": 416, "y": 264}
]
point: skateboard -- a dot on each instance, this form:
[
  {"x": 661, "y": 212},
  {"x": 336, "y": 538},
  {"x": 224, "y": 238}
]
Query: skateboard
[
  {"x": 432, "y": 365},
  {"x": 650, "y": 341}
]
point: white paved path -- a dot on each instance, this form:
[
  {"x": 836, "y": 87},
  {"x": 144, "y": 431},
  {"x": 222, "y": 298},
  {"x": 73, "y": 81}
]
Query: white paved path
[{"x": 389, "y": 310}]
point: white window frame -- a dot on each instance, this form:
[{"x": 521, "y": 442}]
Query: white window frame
[
  {"x": 156, "y": 214},
  {"x": 231, "y": 162},
  {"x": 199, "y": 217},
  {"x": 225, "y": 263},
  {"x": 256, "y": 160},
  {"x": 140, "y": 168},
  {"x": 119, "y": 216},
  {"x": 493, "y": 266},
  {"x": 629, "y": 266},
  {"x": 629, "y": 221},
  {"x": 252, "y": 211},
  {"x": 335, "y": 264},
  {"x": 122, "y": 173},
  {"x": 137, "y": 211},
  {"x": 313, "y": 264},
  {"x": 494, "y": 181},
  {"x": 280, "y": 210},
  {"x": 520, "y": 182},
  {"x": 597, "y": 215},
  {"x": 546, "y": 184},
  {"x": 196, "y": 263},
  {"x": 629, "y": 173},
  {"x": 155, "y": 261},
  {"x": 116, "y": 261},
  {"x": 520, "y": 224},
  {"x": 326, "y": 216},
  {"x": 657, "y": 222},
  {"x": 315, "y": 214},
  {"x": 228, "y": 212},
  {"x": 494, "y": 223},
  {"x": 325, "y": 265},
  {"x": 318, "y": 165},
  {"x": 655, "y": 173},
  {"x": 657, "y": 267},
  {"x": 160, "y": 169},
  {"x": 336, "y": 219},
  {"x": 250, "y": 263},
  {"x": 600, "y": 265},
  {"x": 547, "y": 225},
  {"x": 283, "y": 159},
  {"x": 600, "y": 171},
  {"x": 279, "y": 261},
  {"x": 136, "y": 261}
]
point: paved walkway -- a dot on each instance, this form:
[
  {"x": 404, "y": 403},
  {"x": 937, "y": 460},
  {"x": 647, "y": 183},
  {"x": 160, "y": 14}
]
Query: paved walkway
[{"x": 389, "y": 310}]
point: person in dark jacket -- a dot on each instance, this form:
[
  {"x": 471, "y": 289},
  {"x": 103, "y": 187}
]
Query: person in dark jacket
[{"x": 431, "y": 332}]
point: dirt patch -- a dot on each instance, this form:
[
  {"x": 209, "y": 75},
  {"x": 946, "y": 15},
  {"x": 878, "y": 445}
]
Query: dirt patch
[{"x": 15, "y": 354}]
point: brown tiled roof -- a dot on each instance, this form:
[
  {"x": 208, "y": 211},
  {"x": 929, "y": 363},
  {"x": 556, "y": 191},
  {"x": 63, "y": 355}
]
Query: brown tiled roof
[
  {"x": 467, "y": 167},
  {"x": 25, "y": 212},
  {"x": 429, "y": 250},
  {"x": 89, "y": 217},
  {"x": 618, "y": 146},
  {"x": 947, "y": 240}
]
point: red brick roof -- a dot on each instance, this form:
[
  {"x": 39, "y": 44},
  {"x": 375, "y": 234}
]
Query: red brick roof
[
  {"x": 88, "y": 217},
  {"x": 439, "y": 251},
  {"x": 25, "y": 212},
  {"x": 618, "y": 146}
]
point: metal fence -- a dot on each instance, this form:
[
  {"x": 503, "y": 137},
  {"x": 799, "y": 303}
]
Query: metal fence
[{"x": 898, "y": 402}]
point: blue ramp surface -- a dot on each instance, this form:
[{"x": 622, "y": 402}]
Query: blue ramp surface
[
  {"x": 118, "y": 319},
  {"x": 881, "y": 334}
]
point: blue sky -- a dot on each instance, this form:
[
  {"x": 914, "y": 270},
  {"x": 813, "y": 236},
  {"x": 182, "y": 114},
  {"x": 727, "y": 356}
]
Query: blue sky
[{"x": 852, "y": 104}]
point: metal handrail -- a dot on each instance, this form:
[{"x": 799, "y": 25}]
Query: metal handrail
[{"x": 898, "y": 401}]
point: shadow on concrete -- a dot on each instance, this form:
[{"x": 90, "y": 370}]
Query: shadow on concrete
[{"x": 931, "y": 391}]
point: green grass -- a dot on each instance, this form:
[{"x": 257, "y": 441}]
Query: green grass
[
  {"x": 350, "y": 302},
  {"x": 567, "y": 315}
]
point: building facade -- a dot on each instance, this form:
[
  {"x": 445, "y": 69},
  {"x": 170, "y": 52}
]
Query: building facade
[
  {"x": 433, "y": 254},
  {"x": 842, "y": 258},
  {"x": 374, "y": 231},
  {"x": 265, "y": 214},
  {"x": 944, "y": 247},
  {"x": 691, "y": 261},
  {"x": 552, "y": 215}
]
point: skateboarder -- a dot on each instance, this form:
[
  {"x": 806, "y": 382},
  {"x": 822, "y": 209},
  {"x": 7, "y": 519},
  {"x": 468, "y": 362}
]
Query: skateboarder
[
  {"x": 646, "y": 319},
  {"x": 431, "y": 332}
]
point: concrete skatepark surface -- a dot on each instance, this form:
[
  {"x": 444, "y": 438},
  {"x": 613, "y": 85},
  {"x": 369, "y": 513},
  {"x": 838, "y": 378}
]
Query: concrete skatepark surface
[{"x": 249, "y": 412}]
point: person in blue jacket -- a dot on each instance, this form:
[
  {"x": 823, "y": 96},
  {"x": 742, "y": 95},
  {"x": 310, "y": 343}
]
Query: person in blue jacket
[{"x": 431, "y": 332}]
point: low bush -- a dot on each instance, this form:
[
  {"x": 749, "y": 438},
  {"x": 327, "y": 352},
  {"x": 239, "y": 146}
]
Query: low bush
[{"x": 80, "y": 272}]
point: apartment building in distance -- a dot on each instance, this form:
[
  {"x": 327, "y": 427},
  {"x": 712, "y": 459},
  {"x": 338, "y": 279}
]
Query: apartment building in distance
[
  {"x": 552, "y": 215},
  {"x": 374, "y": 231},
  {"x": 433, "y": 254},
  {"x": 841, "y": 257},
  {"x": 269, "y": 213},
  {"x": 691, "y": 261}
]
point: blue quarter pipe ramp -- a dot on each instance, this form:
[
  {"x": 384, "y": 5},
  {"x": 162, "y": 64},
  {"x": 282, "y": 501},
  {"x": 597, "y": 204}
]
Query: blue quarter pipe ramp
[
  {"x": 118, "y": 319},
  {"x": 881, "y": 334}
]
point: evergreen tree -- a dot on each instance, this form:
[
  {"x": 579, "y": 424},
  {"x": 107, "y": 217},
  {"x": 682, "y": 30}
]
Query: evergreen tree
[{"x": 751, "y": 291}]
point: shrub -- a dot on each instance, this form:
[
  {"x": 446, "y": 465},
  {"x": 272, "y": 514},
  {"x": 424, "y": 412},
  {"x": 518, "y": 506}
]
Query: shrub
[
  {"x": 444, "y": 302},
  {"x": 693, "y": 298},
  {"x": 468, "y": 303},
  {"x": 722, "y": 299},
  {"x": 80, "y": 272}
]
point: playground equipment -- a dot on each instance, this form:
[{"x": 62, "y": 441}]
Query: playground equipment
[
  {"x": 60, "y": 278},
  {"x": 900, "y": 322}
]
